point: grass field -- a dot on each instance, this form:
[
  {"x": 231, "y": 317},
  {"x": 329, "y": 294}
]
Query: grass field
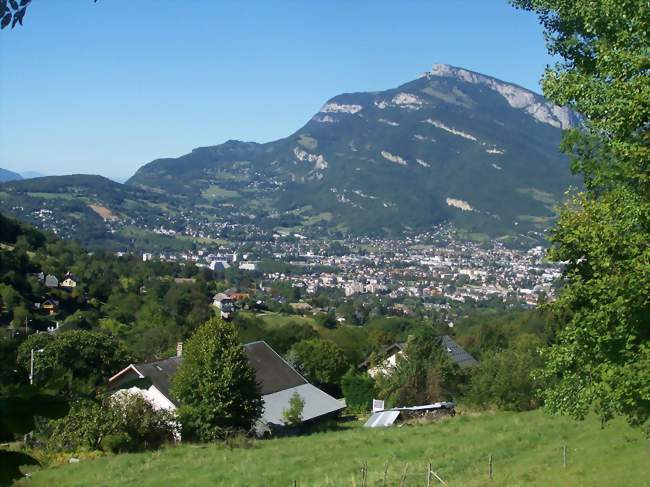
[{"x": 526, "y": 447}]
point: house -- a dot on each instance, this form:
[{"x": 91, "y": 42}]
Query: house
[
  {"x": 393, "y": 352},
  {"x": 51, "y": 281},
  {"x": 277, "y": 380},
  {"x": 225, "y": 304},
  {"x": 69, "y": 283},
  {"x": 50, "y": 306}
]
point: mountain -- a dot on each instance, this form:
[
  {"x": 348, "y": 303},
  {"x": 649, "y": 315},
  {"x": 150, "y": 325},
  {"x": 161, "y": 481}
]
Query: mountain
[
  {"x": 452, "y": 145},
  {"x": 7, "y": 175},
  {"x": 89, "y": 208}
]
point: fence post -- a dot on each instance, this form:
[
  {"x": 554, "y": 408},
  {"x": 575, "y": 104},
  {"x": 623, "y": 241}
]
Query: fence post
[
  {"x": 294, "y": 483},
  {"x": 401, "y": 481},
  {"x": 429, "y": 475},
  {"x": 490, "y": 466},
  {"x": 383, "y": 482},
  {"x": 564, "y": 459}
]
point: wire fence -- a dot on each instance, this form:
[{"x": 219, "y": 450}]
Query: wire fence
[{"x": 412, "y": 475}]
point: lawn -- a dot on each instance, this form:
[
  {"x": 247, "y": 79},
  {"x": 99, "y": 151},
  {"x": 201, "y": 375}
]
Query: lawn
[{"x": 526, "y": 448}]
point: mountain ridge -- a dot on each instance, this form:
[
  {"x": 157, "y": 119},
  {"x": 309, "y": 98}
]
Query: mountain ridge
[
  {"x": 444, "y": 103},
  {"x": 450, "y": 146}
]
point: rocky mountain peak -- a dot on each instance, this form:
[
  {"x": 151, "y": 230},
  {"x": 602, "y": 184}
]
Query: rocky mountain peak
[{"x": 534, "y": 104}]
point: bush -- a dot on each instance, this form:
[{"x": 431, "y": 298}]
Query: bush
[
  {"x": 292, "y": 416},
  {"x": 359, "y": 390},
  {"x": 321, "y": 361},
  {"x": 123, "y": 422},
  {"x": 116, "y": 443},
  {"x": 503, "y": 379}
]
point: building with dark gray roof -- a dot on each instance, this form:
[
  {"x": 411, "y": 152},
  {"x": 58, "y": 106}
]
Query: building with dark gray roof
[{"x": 277, "y": 381}]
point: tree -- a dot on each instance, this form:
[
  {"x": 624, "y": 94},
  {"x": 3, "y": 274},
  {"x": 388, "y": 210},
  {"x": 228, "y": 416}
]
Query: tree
[
  {"x": 424, "y": 374},
  {"x": 88, "y": 357},
  {"x": 321, "y": 361},
  {"x": 292, "y": 416},
  {"x": 600, "y": 357},
  {"x": 20, "y": 405},
  {"x": 12, "y": 12},
  {"x": 503, "y": 379},
  {"x": 215, "y": 385}
]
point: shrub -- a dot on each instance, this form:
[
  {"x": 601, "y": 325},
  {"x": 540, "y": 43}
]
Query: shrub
[
  {"x": 123, "y": 422},
  {"x": 116, "y": 443},
  {"x": 358, "y": 389},
  {"x": 503, "y": 379},
  {"x": 292, "y": 416}
]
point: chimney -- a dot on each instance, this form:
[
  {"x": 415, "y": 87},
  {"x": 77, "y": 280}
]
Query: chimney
[{"x": 179, "y": 349}]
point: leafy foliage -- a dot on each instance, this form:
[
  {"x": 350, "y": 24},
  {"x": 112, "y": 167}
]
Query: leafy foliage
[
  {"x": 19, "y": 406},
  {"x": 215, "y": 384},
  {"x": 124, "y": 422},
  {"x": 503, "y": 380},
  {"x": 423, "y": 374},
  {"x": 358, "y": 389},
  {"x": 292, "y": 416},
  {"x": 601, "y": 354},
  {"x": 12, "y": 12},
  {"x": 322, "y": 362},
  {"x": 89, "y": 357}
]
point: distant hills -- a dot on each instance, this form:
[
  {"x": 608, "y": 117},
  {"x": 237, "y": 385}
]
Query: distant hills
[
  {"x": 7, "y": 175},
  {"x": 452, "y": 145}
]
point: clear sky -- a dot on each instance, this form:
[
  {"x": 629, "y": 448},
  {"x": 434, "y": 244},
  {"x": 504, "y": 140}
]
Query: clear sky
[{"x": 105, "y": 87}]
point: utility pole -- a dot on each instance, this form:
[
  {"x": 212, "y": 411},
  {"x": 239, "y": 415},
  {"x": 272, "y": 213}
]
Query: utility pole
[{"x": 31, "y": 364}]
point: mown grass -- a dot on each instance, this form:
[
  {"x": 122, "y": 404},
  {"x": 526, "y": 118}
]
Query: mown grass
[{"x": 526, "y": 447}]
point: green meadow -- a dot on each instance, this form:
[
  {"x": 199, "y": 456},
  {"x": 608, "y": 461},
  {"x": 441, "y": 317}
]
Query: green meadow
[{"x": 527, "y": 449}]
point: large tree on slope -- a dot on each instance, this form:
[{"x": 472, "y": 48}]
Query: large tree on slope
[{"x": 600, "y": 358}]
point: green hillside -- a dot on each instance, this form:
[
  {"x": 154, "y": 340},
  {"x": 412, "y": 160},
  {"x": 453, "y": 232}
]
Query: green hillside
[{"x": 526, "y": 447}]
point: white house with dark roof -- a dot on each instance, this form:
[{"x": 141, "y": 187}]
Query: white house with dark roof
[
  {"x": 277, "y": 380},
  {"x": 392, "y": 354}
]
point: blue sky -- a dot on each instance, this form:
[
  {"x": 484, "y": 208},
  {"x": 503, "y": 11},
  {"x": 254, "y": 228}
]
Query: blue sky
[{"x": 105, "y": 87}]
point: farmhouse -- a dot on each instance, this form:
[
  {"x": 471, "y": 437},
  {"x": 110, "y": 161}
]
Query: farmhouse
[
  {"x": 391, "y": 354},
  {"x": 278, "y": 381}
]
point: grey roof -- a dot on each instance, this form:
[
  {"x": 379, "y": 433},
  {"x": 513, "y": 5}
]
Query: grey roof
[
  {"x": 273, "y": 374},
  {"x": 317, "y": 404},
  {"x": 457, "y": 354}
]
